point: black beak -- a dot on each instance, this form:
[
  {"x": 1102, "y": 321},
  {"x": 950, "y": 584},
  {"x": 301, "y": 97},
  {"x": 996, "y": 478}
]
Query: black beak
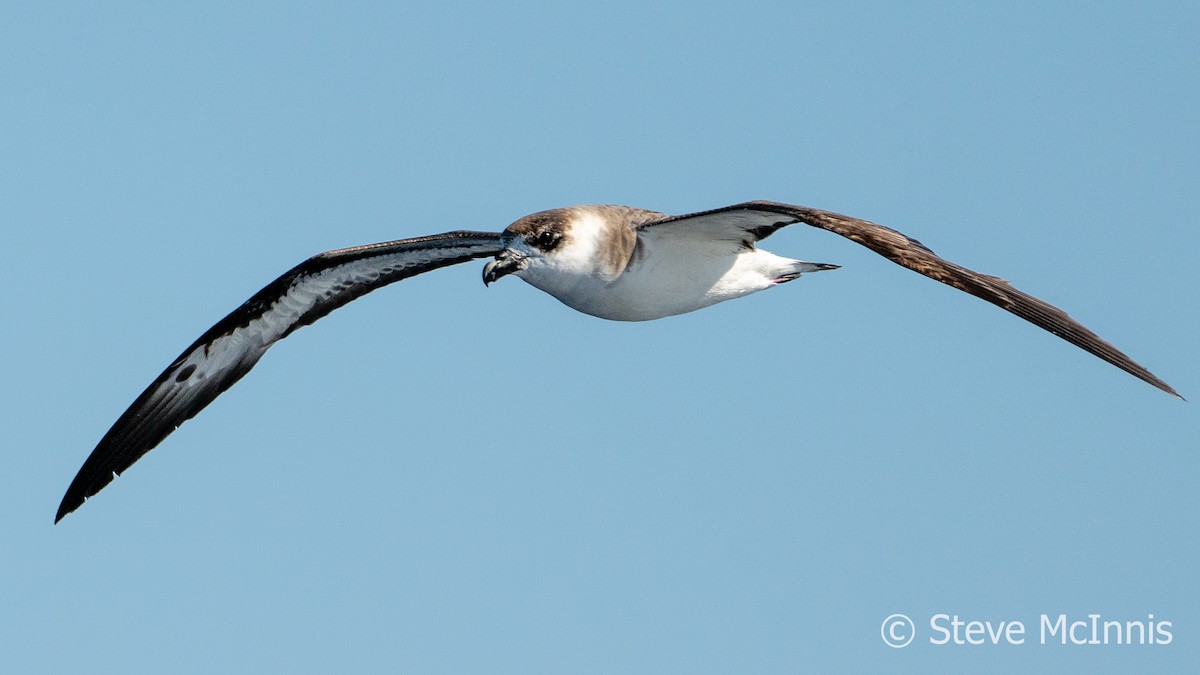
[{"x": 506, "y": 262}]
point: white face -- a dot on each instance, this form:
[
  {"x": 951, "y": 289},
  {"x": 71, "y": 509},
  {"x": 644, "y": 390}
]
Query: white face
[
  {"x": 594, "y": 241},
  {"x": 577, "y": 255},
  {"x": 569, "y": 251}
]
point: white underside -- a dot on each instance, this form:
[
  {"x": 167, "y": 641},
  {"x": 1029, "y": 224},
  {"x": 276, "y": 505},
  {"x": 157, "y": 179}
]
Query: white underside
[{"x": 665, "y": 280}]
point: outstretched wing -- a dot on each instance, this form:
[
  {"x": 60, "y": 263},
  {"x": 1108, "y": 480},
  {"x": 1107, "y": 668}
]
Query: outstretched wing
[
  {"x": 751, "y": 222},
  {"x": 228, "y": 350}
]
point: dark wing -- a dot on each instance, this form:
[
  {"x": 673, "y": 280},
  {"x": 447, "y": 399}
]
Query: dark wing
[
  {"x": 753, "y": 221},
  {"x": 228, "y": 350}
]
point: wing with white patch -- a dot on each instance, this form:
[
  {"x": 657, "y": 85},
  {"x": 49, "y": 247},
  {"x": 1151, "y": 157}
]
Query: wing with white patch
[
  {"x": 753, "y": 221},
  {"x": 228, "y": 350}
]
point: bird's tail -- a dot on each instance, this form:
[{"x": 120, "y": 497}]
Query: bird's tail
[{"x": 797, "y": 267}]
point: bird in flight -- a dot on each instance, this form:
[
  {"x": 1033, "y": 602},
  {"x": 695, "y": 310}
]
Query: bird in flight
[{"x": 613, "y": 262}]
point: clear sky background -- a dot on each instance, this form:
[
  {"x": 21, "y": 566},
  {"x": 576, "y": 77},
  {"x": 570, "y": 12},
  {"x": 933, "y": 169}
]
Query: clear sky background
[{"x": 446, "y": 478}]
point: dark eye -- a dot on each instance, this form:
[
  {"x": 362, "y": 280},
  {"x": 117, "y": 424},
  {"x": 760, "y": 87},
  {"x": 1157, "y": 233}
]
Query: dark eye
[{"x": 546, "y": 240}]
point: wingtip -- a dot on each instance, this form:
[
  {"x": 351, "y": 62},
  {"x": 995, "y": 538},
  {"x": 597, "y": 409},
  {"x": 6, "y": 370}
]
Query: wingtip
[
  {"x": 64, "y": 508},
  {"x": 1163, "y": 386},
  {"x": 74, "y": 498}
]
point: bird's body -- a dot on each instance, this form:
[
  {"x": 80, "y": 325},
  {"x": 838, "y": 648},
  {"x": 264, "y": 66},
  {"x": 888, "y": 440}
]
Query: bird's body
[
  {"x": 613, "y": 262},
  {"x": 613, "y": 268}
]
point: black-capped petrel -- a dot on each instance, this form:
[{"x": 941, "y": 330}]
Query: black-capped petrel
[{"x": 613, "y": 262}]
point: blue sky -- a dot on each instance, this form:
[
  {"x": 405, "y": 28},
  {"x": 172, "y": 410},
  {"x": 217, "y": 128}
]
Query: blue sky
[{"x": 446, "y": 478}]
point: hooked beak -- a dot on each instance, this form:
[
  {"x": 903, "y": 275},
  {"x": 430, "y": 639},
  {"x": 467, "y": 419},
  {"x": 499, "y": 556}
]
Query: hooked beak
[{"x": 506, "y": 262}]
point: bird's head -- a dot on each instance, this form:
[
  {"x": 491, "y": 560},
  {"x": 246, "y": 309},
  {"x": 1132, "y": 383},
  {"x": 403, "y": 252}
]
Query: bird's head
[
  {"x": 529, "y": 244},
  {"x": 555, "y": 250}
]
